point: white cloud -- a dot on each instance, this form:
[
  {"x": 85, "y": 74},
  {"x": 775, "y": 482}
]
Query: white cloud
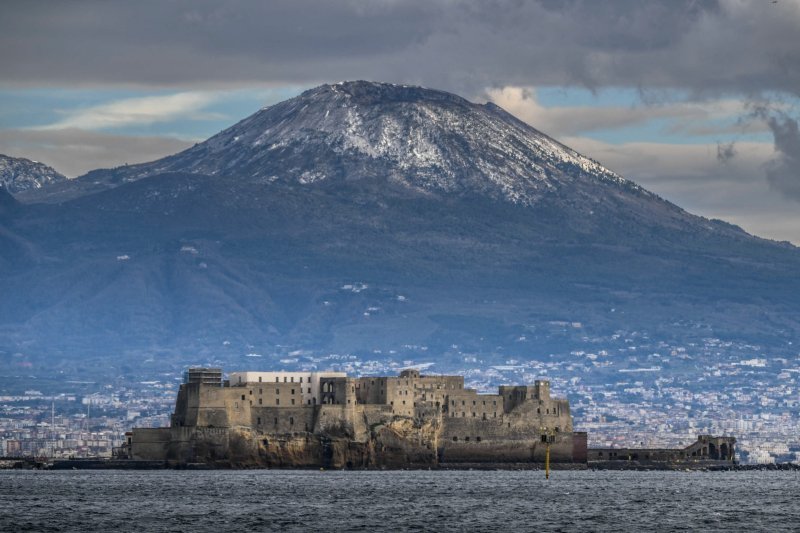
[
  {"x": 137, "y": 111},
  {"x": 690, "y": 117}
]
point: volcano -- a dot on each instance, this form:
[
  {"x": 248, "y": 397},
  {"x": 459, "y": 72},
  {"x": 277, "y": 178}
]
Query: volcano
[{"x": 374, "y": 221}]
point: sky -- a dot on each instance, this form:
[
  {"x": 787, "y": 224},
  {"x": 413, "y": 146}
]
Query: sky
[{"x": 697, "y": 101}]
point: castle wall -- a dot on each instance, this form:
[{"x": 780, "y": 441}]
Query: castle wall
[
  {"x": 705, "y": 448},
  {"x": 150, "y": 443},
  {"x": 369, "y": 421},
  {"x": 283, "y": 420}
]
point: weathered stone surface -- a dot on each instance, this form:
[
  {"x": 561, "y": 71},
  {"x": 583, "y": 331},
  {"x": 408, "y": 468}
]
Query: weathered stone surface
[{"x": 405, "y": 422}]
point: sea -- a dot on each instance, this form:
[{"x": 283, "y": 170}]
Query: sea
[{"x": 314, "y": 500}]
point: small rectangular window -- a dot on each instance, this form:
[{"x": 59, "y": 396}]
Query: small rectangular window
[
  {"x": 277, "y": 391},
  {"x": 259, "y": 421},
  {"x": 277, "y": 401},
  {"x": 292, "y": 401}
]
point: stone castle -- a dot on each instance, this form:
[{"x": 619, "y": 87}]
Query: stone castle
[{"x": 327, "y": 419}]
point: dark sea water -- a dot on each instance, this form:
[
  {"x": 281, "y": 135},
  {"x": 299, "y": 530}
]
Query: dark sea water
[{"x": 398, "y": 501}]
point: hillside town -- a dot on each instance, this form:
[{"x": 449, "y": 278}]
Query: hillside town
[{"x": 618, "y": 395}]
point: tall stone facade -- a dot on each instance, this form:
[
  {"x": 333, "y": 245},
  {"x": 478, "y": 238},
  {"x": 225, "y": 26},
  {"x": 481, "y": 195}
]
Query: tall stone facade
[{"x": 330, "y": 420}]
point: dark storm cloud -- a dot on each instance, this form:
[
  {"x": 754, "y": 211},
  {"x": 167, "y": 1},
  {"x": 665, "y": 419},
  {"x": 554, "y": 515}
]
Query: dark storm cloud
[{"x": 464, "y": 46}]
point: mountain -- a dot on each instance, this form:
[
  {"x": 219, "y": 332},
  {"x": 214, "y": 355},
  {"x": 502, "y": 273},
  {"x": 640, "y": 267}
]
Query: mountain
[
  {"x": 18, "y": 174},
  {"x": 376, "y": 222}
]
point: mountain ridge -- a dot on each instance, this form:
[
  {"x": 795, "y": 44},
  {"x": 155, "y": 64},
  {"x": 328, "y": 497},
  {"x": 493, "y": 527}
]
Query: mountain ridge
[
  {"x": 18, "y": 174},
  {"x": 391, "y": 248}
]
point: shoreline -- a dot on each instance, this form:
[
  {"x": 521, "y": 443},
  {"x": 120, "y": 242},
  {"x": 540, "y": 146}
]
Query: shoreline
[{"x": 128, "y": 464}]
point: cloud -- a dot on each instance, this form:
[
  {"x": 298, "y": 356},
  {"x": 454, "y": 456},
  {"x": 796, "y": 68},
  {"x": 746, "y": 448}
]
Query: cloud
[
  {"x": 691, "y": 176},
  {"x": 137, "y": 111},
  {"x": 703, "y": 46},
  {"x": 726, "y": 152},
  {"x": 74, "y": 152},
  {"x": 783, "y": 172},
  {"x": 684, "y": 116}
]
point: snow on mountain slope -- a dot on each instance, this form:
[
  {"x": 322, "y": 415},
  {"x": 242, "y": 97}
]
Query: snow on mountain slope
[
  {"x": 424, "y": 139},
  {"x": 19, "y": 174}
]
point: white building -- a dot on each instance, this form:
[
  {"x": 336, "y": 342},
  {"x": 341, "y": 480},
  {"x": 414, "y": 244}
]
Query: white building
[{"x": 308, "y": 381}]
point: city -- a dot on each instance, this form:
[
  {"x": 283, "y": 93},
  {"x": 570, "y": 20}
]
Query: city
[{"x": 617, "y": 391}]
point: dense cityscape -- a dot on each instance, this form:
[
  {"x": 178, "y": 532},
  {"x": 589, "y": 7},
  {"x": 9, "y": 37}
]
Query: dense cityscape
[{"x": 618, "y": 393}]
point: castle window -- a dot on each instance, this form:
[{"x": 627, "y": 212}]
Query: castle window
[
  {"x": 276, "y": 420},
  {"x": 495, "y": 414},
  {"x": 260, "y": 402},
  {"x": 544, "y": 438},
  {"x": 473, "y": 402},
  {"x": 309, "y": 402},
  {"x": 259, "y": 421},
  {"x": 538, "y": 411},
  {"x": 242, "y": 397},
  {"x": 277, "y": 391},
  {"x": 292, "y": 379},
  {"x": 259, "y": 379},
  {"x": 463, "y": 414},
  {"x": 277, "y": 379},
  {"x": 284, "y": 379},
  {"x": 309, "y": 390},
  {"x": 478, "y": 439},
  {"x": 455, "y": 439},
  {"x": 494, "y": 402},
  {"x": 301, "y": 379},
  {"x": 277, "y": 401},
  {"x": 292, "y": 401},
  {"x": 404, "y": 402},
  {"x": 236, "y": 405},
  {"x": 261, "y": 391},
  {"x": 462, "y": 402},
  {"x": 484, "y": 402},
  {"x": 291, "y": 420},
  {"x": 292, "y": 391},
  {"x": 466, "y": 439},
  {"x": 251, "y": 392},
  {"x": 473, "y": 414}
]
